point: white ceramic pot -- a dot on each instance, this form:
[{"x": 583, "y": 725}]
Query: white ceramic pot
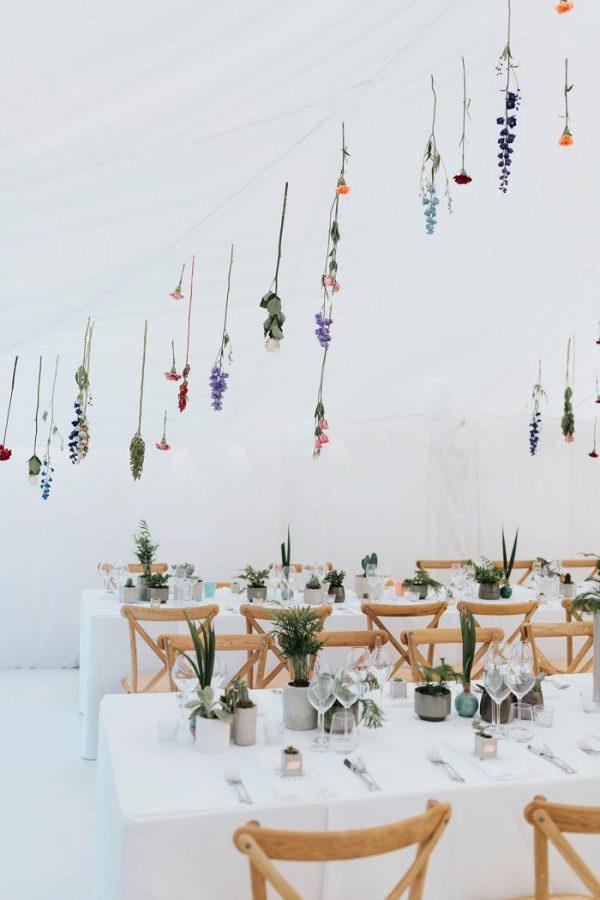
[
  {"x": 244, "y": 726},
  {"x": 128, "y": 594},
  {"x": 212, "y": 735},
  {"x": 298, "y": 714},
  {"x": 197, "y": 591},
  {"x": 361, "y": 588},
  {"x": 313, "y": 596},
  {"x": 398, "y": 690}
]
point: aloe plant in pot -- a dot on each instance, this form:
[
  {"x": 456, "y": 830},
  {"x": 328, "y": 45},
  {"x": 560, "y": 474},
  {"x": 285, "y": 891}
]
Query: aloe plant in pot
[
  {"x": 159, "y": 589},
  {"x": 297, "y": 631},
  {"x": 256, "y": 588},
  {"x": 335, "y": 579},
  {"x": 466, "y": 703},
  {"x": 211, "y": 717},
  {"x": 589, "y": 602},
  {"x": 244, "y": 712},
  {"x": 313, "y": 591}
]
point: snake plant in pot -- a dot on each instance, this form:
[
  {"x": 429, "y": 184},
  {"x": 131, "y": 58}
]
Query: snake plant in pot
[
  {"x": 466, "y": 703},
  {"x": 287, "y": 591},
  {"x": 507, "y": 566},
  {"x": 589, "y": 602},
  {"x": 211, "y": 717},
  {"x": 297, "y": 633}
]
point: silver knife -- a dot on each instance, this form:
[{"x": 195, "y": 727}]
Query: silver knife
[
  {"x": 559, "y": 763},
  {"x": 361, "y": 775}
]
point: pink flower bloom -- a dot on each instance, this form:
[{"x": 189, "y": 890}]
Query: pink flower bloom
[
  {"x": 172, "y": 376},
  {"x": 323, "y": 424},
  {"x": 323, "y": 438},
  {"x": 176, "y": 294},
  {"x": 336, "y": 287},
  {"x": 329, "y": 280},
  {"x": 163, "y": 446}
]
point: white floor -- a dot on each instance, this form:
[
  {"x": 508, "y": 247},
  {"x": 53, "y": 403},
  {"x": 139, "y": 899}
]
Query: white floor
[{"x": 46, "y": 789}]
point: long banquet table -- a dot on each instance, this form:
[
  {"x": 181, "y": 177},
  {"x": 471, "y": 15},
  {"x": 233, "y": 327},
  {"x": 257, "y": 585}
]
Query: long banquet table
[
  {"x": 165, "y": 814},
  {"x": 104, "y": 654}
]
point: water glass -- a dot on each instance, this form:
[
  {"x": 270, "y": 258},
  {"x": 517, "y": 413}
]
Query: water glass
[
  {"x": 273, "y": 730},
  {"x": 210, "y": 588},
  {"x": 168, "y": 730},
  {"x": 543, "y": 715},
  {"x": 520, "y": 722},
  {"x": 344, "y": 737},
  {"x": 587, "y": 704}
]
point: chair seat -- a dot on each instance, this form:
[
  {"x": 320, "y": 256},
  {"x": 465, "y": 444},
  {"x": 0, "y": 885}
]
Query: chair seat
[{"x": 161, "y": 686}]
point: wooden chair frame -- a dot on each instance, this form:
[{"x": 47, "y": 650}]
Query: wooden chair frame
[
  {"x": 571, "y": 615},
  {"x": 549, "y": 821},
  {"x": 137, "y": 614},
  {"x": 255, "y": 645},
  {"x": 433, "y": 636},
  {"x": 262, "y": 845},
  {"x": 375, "y": 612},
  {"x": 138, "y": 569},
  {"x": 368, "y": 639},
  {"x": 525, "y": 564},
  {"x": 527, "y": 609},
  {"x": 578, "y": 663},
  {"x": 254, "y": 616}
]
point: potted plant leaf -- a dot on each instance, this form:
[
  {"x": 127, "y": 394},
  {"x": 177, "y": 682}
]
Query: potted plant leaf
[
  {"x": 360, "y": 581},
  {"x": 296, "y": 630},
  {"x": 507, "y": 566},
  {"x": 287, "y": 591},
  {"x": 244, "y": 712},
  {"x": 313, "y": 591},
  {"x": 420, "y": 583},
  {"x": 210, "y": 716},
  {"x": 365, "y": 710},
  {"x": 256, "y": 588},
  {"x": 159, "y": 589},
  {"x": 145, "y": 551},
  {"x": 466, "y": 703},
  {"x": 433, "y": 700},
  {"x": 589, "y": 602},
  {"x": 335, "y": 579},
  {"x": 488, "y": 577}
]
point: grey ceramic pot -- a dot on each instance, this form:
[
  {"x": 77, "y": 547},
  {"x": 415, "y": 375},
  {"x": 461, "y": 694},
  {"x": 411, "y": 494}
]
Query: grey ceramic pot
[
  {"x": 244, "y": 726},
  {"x": 338, "y": 593},
  {"x": 159, "y": 593},
  {"x": 489, "y": 591},
  {"x": 432, "y": 707},
  {"x": 256, "y": 593},
  {"x": 143, "y": 589},
  {"x": 533, "y": 698},
  {"x": 423, "y": 592},
  {"x": 298, "y": 714}
]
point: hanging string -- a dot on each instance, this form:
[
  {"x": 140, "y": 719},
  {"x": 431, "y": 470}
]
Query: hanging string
[
  {"x": 12, "y": 390},
  {"x": 285, "y": 193},
  {"x": 187, "y": 343},
  {"x": 37, "y": 406},
  {"x": 142, "y": 380}
]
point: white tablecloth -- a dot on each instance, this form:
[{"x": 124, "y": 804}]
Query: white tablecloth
[
  {"x": 104, "y": 656},
  {"x": 165, "y": 814}
]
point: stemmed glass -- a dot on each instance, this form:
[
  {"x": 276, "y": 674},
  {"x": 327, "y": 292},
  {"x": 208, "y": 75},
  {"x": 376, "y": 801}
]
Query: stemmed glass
[
  {"x": 105, "y": 570},
  {"x": 119, "y": 575},
  {"x": 372, "y": 580},
  {"x": 494, "y": 679},
  {"x": 321, "y": 696},
  {"x": 359, "y": 658},
  {"x": 273, "y": 582},
  {"x": 519, "y": 674},
  {"x": 347, "y": 688},
  {"x": 185, "y": 680},
  {"x": 382, "y": 661}
]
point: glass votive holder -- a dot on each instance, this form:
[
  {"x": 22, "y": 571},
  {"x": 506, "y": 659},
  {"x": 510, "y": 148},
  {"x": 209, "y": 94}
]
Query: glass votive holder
[
  {"x": 273, "y": 731},
  {"x": 520, "y": 722},
  {"x": 543, "y": 715},
  {"x": 587, "y": 704},
  {"x": 342, "y": 731},
  {"x": 168, "y": 730},
  {"x": 210, "y": 588}
]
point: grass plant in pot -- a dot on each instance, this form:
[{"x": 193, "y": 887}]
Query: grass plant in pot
[
  {"x": 507, "y": 566},
  {"x": 244, "y": 713},
  {"x": 297, "y": 630},
  {"x": 335, "y": 579},
  {"x": 466, "y": 703},
  {"x": 433, "y": 699},
  {"x": 159, "y": 589},
  {"x": 361, "y": 586},
  {"x": 145, "y": 551},
  {"x": 211, "y": 717},
  {"x": 313, "y": 591},
  {"x": 256, "y": 588},
  {"x": 488, "y": 577},
  {"x": 420, "y": 583},
  {"x": 589, "y": 602}
]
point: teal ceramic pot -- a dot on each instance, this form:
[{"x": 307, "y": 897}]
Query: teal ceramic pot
[
  {"x": 466, "y": 704},
  {"x": 506, "y": 591}
]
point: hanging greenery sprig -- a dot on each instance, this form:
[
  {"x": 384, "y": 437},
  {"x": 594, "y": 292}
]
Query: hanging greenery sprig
[
  {"x": 162, "y": 444},
  {"x": 273, "y": 324},
  {"x": 172, "y": 374},
  {"x": 183, "y": 387},
  {"x": 137, "y": 448},
  {"x": 594, "y": 453},
  {"x": 567, "y": 423},
  {"x": 47, "y": 472},
  {"x": 176, "y": 294},
  {"x": 462, "y": 177},
  {"x": 79, "y": 438},
  {"x": 430, "y": 167},
  {"x": 34, "y": 463},
  {"x": 566, "y": 138},
  {"x": 512, "y": 100},
  {"x": 218, "y": 375},
  {"x": 5, "y": 453},
  {"x": 538, "y": 395}
]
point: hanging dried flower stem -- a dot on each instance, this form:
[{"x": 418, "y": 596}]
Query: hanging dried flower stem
[
  {"x": 5, "y": 453},
  {"x": 538, "y": 395},
  {"x": 430, "y": 166},
  {"x": 597, "y": 400},
  {"x": 564, "y": 6},
  {"x": 162, "y": 444},
  {"x": 273, "y": 324},
  {"x": 566, "y": 138},
  {"x": 137, "y": 448},
  {"x": 462, "y": 177},
  {"x": 172, "y": 374},
  {"x": 183, "y": 387},
  {"x": 34, "y": 463},
  {"x": 176, "y": 294},
  {"x": 79, "y": 438},
  {"x": 512, "y": 100},
  {"x": 594, "y": 453},
  {"x": 218, "y": 375},
  {"x": 567, "y": 423},
  {"x": 47, "y": 472}
]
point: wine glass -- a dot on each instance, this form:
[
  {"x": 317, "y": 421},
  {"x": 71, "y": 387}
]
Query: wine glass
[
  {"x": 519, "y": 673},
  {"x": 321, "y": 696},
  {"x": 372, "y": 580},
  {"x": 273, "y": 583},
  {"x": 382, "y": 661},
  {"x": 105, "y": 570},
  {"x": 494, "y": 679},
  {"x": 359, "y": 658},
  {"x": 185, "y": 679},
  {"x": 347, "y": 688}
]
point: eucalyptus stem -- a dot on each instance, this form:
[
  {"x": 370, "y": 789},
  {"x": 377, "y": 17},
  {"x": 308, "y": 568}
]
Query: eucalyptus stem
[
  {"x": 275, "y": 280},
  {"x": 12, "y": 390},
  {"x": 51, "y": 429}
]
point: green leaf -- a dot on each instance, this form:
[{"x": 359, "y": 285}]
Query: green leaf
[
  {"x": 276, "y": 332},
  {"x": 335, "y": 232}
]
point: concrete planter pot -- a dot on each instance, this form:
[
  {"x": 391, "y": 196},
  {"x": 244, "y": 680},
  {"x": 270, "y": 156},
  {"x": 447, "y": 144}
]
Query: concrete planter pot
[
  {"x": 143, "y": 589},
  {"x": 244, "y": 726},
  {"x": 338, "y": 593},
  {"x": 128, "y": 595},
  {"x": 489, "y": 591},
  {"x": 256, "y": 593},
  {"x": 212, "y": 735},
  {"x": 431, "y": 707},
  {"x": 159, "y": 594},
  {"x": 198, "y": 592},
  {"x": 568, "y": 591},
  {"x": 298, "y": 714},
  {"x": 313, "y": 596}
]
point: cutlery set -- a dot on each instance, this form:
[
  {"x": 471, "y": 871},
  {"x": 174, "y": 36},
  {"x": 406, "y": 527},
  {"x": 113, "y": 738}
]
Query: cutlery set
[
  {"x": 434, "y": 757},
  {"x": 233, "y": 778},
  {"x": 359, "y": 768},
  {"x": 546, "y": 753}
]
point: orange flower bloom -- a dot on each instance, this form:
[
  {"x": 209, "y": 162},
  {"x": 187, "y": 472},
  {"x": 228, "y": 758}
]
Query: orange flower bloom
[
  {"x": 566, "y": 138},
  {"x": 342, "y": 187},
  {"x": 564, "y": 6}
]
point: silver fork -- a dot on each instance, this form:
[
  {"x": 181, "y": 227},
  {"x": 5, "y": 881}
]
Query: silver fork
[
  {"x": 587, "y": 747},
  {"x": 361, "y": 766},
  {"x": 560, "y": 685},
  {"x": 233, "y": 778},
  {"x": 433, "y": 755}
]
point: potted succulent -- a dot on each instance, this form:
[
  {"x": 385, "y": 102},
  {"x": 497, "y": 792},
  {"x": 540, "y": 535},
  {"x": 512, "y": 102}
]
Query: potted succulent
[
  {"x": 398, "y": 688},
  {"x": 507, "y": 566},
  {"x": 335, "y": 579},
  {"x": 361, "y": 586},
  {"x": 145, "y": 551},
  {"x": 210, "y": 717},
  {"x": 313, "y": 591},
  {"x": 568, "y": 588},
  {"x": 365, "y": 710},
  {"x": 433, "y": 700},
  {"x": 420, "y": 583},
  {"x": 291, "y": 761},
  {"x": 296, "y": 630},
  {"x": 256, "y": 588},
  {"x": 488, "y": 577},
  {"x": 129, "y": 592},
  {"x": 589, "y": 602},
  {"x": 466, "y": 703},
  {"x": 159, "y": 589},
  {"x": 244, "y": 713}
]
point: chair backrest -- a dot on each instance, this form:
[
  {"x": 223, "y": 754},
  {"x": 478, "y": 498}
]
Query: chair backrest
[
  {"x": 254, "y": 645},
  {"x": 589, "y": 563},
  {"x": 480, "y": 610},
  {"x": 156, "y": 568},
  {"x": 550, "y": 821},
  {"x": 570, "y": 616},
  {"x": 137, "y": 614},
  {"x": 222, "y": 584},
  {"x": 261, "y": 845},
  {"x": 258, "y": 619},
  {"x": 432, "y": 637},
  {"x": 523, "y": 565},
  {"x": 377, "y": 612},
  {"x": 368, "y": 639},
  {"x": 583, "y": 659}
]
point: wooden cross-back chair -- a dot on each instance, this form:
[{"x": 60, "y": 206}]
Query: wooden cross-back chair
[
  {"x": 377, "y": 612},
  {"x": 571, "y": 615},
  {"x": 367, "y": 639},
  {"x": 432, "y": 637},
  {"x": 258, "y": 619},
  {"x": 155, "y": 568},
  {"x": 137, "y": 614},
  {"x": 589, "y": 563},
  {"x": 550, "y": 821},
  {"x": 526, "y": 610},
  {"x": 254, "y": 645},
  {"x": 262, "y": 845},
  {"x": 582, "y": 661},
  {"x": 520, "y": 565}
]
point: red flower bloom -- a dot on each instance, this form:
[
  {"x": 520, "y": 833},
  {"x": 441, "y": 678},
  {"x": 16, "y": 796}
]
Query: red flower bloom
[
  {"x": 183, "y": 390},
  {"x": 593, "y": 454},
  {"x": 5, "y": 453},
  {"x": 463, "y": 178},
  {"x": 172, "y": 376}
]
